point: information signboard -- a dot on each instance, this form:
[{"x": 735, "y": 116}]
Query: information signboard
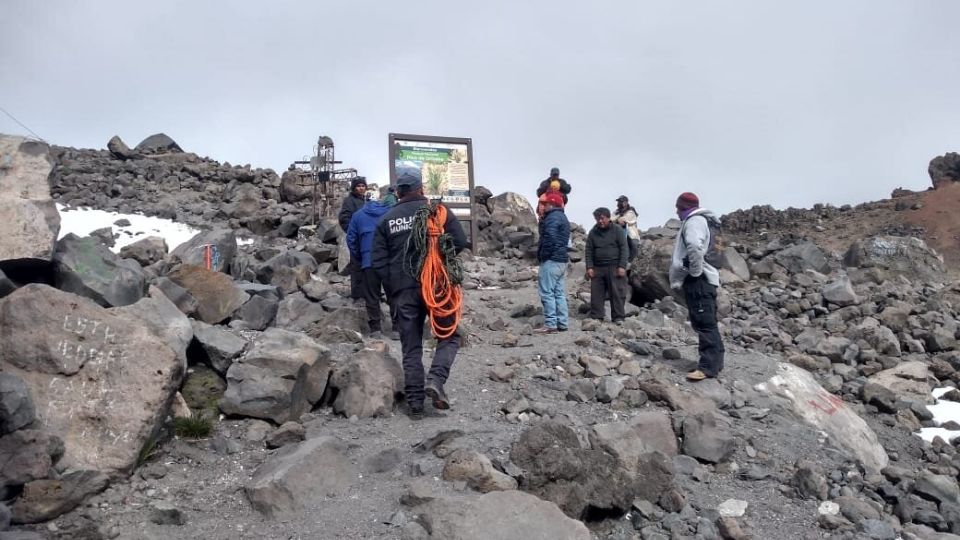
[{"x": 446, "y": 166}]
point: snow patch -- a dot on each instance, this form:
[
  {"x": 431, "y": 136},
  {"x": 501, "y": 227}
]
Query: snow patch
[
  {"x": 943, "y": 411},
  {"x": 83, "y": 221}
]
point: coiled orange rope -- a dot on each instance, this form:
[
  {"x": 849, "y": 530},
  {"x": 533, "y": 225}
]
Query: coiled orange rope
[{"x": 443, "y": 298}]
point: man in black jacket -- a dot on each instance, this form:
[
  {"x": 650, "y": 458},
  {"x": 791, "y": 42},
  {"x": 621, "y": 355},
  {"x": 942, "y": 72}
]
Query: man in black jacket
[
  {"x": 606, "y": 258},
  {"x": 390, "y": 260},
  {"x": 561, "y": 185},
  {"x": 351, "y": 203}
]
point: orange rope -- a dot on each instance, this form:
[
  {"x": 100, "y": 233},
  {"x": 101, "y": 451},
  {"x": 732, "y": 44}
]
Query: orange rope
[{"x": 443, "y": 299}]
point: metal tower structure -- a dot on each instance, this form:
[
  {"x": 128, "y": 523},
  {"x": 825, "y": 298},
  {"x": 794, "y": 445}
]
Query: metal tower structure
[{"x": 323, "y": 177}]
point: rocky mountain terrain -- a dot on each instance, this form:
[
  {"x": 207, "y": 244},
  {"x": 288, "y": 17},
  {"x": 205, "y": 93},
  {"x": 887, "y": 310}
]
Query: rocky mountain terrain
[{"x": 156, "y": 394}]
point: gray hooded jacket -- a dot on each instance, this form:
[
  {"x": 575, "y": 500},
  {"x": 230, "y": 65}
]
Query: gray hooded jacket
[{"x": 692, "y": 243}]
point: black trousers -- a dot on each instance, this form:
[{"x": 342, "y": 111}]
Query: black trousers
[
  {"x": 356, "y": 279},
  {"x": 605, "y": 282},
  {"x": 371, "y": 296},
  {"x": 411, "y": 316},
  {"x": 701, "y": 299}
]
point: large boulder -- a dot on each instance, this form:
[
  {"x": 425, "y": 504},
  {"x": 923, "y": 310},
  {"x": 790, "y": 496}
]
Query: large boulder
[
  {"x": 703, "y": 439},
  {"x": 499, "y": 514},
  {"x": 629, "y": 441},
  {"x": 648, "y": 271},
  {"x": 827, "y": 413},
  {"x": 287, "y": 270},
  {"x": 216, "y": 294},
  {"x": 222, "y": 244},
  {"x": 158, "y": 143},
  {"x": 583, "y": 482},
  {"x": 897, "y": 255},
  {"x": 119, "y": 149},
  {"x": 944, "y": 169},
  {"x": 100, "y": 381},
  {"x": 279, "y": 378},
  {"x": 907, "y": 380},
  {"x": 296, "y": 312},
  {"x": 301, "y": 476},
  {"x": 86, "y": 267},
  {"x": 146, "y": 251},
  {"x": 295, "y": 186},
  {"x": 802, "y": 257},
  {"x": 220, "y": 347},
  {"x": 162, "y": 317},
  {"x": 29, "y": 221},
  {"x": 367, "y": 383}
]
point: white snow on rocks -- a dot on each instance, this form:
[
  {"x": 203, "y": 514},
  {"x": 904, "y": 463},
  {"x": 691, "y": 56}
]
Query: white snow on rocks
[{"x": 943, "y": 411}]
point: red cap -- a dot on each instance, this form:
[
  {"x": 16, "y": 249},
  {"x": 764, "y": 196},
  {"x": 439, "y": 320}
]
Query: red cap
[
  {"x": 553, "y": 198},
  {"x": 687, "y": 200}
]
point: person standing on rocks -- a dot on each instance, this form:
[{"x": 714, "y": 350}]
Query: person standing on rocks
[
  {"x": 351, "y": 203},
  {"x": 552, "y": 254},
  {"x": 360, "y": 242},
  {"x": 556, "y": 183},
  {"x": 690, "y": 272},
  {"x": 391, "y": 259},
  {"x": 606, "y": 258},
  {"x": 626, "y": 217}
]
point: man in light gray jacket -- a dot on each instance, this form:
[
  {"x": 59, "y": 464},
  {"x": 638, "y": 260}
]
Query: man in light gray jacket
[{"x": 699, "y": 281}]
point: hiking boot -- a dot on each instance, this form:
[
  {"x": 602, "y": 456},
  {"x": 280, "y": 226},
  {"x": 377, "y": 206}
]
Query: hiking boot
[
  {"x": 545, "y": 330},
  {"x": 618, "y": 322},
  {"x": 436, "y": 394},
  {"x": 415, "y": 413},
  {"x": 561, "y": 329},
  {"x": 696, "y": 375}
]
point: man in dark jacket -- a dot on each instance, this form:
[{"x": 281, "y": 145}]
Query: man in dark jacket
[
  {"x": 351, "y": 203},
  {"x": 606, "y": 257},
  {"x": 360, "y": 242},
  {"x": 552, "y": 254},
  {"x": 561, "y": 185},
  {"x": 390, "y": 260}
]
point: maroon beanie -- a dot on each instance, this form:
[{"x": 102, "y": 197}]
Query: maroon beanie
[{"x": 687, "y": 200}]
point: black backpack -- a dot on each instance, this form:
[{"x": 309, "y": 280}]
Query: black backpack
[{"x": 714, "y": 254}]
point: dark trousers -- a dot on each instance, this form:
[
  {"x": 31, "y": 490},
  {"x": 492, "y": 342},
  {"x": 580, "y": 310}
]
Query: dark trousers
[
  {"x": 605, "y": 282},
  {"x": 356, "y": 279},
  {"x": 701, "y": 299},
  {"x": 371, "y": 296},
  {"x": 411, "y": 315}
]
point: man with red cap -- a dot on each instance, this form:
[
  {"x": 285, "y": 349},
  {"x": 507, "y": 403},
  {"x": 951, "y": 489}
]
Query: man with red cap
[
  {"x": 699, "y": 280},
  {"x": 552, "y": 254}
]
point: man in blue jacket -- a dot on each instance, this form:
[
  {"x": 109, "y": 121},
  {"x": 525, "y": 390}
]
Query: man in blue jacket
[
  {"x": 552, "y": 254},
  {"x": 360, "y": 233}
]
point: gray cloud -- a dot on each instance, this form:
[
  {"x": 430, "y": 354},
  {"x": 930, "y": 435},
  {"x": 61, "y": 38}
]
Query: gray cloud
[{"x": 742, "y": 102}]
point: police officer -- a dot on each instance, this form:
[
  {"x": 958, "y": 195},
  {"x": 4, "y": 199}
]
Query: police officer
[{"x": 390, "y": 260}]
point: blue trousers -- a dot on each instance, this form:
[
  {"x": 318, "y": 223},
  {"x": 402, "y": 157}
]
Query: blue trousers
[{"x": 553, "y": 294}]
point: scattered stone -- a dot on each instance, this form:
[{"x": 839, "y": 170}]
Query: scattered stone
[
  {"x": 288, "y": 433},
  {"x": 166, "y": 513},
  {"x": 367, "y": 383},
  {"x": 43, "y": 500},
  {"x": 704, "y": 440},
  {"x": 147, "y": 251},
  {"x": 383, "y": 461},
  {"x": 300, "y": 476},
  {"x": 476, "y": 470},
  {"x": 16, "y": 407},
  {"x": 732, "y": 508}
]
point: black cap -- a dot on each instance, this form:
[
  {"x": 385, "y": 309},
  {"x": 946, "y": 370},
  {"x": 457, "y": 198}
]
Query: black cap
[
  {"x": 622, "y": 198},
  {"x": 356, "y": 181},
  {"x": 409, "y": 177},
  {"x": 554, "y": 172}
]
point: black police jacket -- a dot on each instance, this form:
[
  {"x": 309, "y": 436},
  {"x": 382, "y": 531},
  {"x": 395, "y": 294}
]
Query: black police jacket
[{"x": 390, "y": 239}]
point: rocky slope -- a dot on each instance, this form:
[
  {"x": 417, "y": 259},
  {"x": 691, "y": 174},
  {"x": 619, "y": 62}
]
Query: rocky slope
[{"x": 114, "y": 367}]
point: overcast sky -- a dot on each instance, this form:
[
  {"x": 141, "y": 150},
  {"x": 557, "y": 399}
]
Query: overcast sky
[{"x": 746, "y": 102}]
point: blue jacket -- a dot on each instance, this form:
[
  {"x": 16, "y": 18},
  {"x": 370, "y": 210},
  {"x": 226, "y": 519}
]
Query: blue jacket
[
  {"x": 360, "y": 231},
  {"x": 554, "y": 236}
]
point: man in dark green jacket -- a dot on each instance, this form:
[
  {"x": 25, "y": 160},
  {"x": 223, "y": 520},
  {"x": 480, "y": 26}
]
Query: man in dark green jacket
[{"x": 606, "y": 257}]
